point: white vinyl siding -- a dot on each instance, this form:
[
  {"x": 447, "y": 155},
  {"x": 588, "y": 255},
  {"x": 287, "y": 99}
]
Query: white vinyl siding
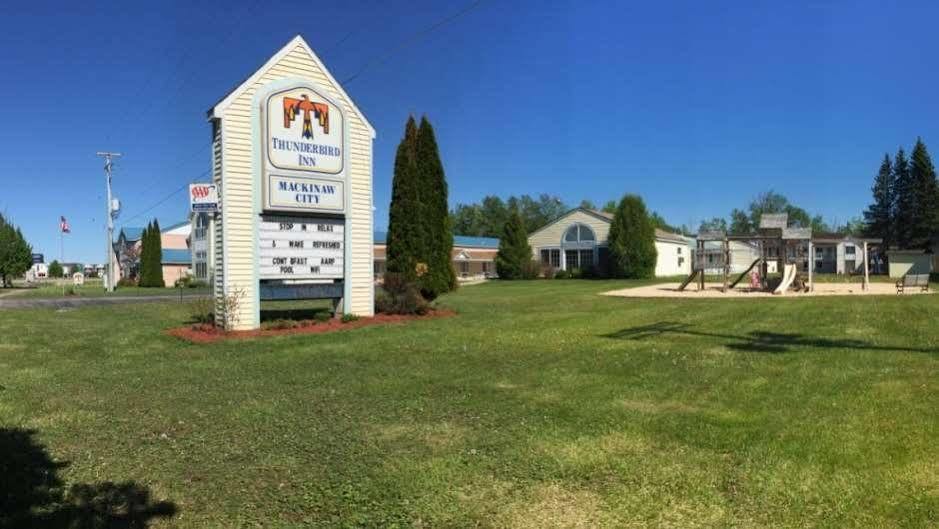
[{"x": 236, "y": 236}]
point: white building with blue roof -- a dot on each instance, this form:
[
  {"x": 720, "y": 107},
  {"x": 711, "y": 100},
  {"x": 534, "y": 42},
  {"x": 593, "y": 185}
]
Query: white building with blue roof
[{"x": 474, "y": 258}]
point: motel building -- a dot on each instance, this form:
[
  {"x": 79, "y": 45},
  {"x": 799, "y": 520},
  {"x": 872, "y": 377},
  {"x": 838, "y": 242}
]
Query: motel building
[
  {"x": 473, "y": 258},
  {"x": 578, "y": 239},
  {"x": 175, "y": 258}
]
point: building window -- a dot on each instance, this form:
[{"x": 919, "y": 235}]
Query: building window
[
  {"x": 486, "y": 266},
  {"x": 679, "y": 250},
  {"x": 849, "y": 250},
  {"x": 586, "y": 258},
  {"x": 464, "y": 268},
  {"x": 551, "y": 257},
  {"x": 579, "y": 233},
  {"x": 570, "y": 259}
]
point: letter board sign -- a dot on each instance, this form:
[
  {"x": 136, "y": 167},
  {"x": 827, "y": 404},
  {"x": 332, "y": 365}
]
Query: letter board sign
[{"x": 301, "y": 248}]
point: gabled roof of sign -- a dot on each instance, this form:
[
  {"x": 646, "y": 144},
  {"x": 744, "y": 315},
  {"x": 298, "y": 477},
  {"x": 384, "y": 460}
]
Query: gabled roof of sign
[
  {"x": 459, "y": 241},
  {"x": 219, "y": 107}
]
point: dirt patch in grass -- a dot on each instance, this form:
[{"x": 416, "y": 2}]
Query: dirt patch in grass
[{"x": 205, "y": 333}]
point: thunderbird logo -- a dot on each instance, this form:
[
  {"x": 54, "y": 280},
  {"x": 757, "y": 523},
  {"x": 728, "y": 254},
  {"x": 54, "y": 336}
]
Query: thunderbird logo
[{"x": 320, "y": 111}]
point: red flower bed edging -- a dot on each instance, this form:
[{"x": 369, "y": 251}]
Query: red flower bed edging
[{"x": 205, "y": 333}]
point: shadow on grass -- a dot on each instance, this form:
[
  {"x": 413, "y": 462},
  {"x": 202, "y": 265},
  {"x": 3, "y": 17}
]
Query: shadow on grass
[
  {"x": 33, "y": 495},
  {"x": 758, "y": 341}
]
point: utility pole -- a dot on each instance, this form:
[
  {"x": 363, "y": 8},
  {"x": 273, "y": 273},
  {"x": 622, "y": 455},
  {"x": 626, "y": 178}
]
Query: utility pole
[{"x": 108, "y": 269}]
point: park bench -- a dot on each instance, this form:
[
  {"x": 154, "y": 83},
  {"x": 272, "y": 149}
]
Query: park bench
[{"x": 913, "y": 281}]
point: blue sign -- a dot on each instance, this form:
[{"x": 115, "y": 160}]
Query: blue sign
[{"x": 38, "y": 258}]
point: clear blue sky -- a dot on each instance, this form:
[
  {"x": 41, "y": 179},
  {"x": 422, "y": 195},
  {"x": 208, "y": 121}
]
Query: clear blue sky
[{"x": 695, "y": 107}]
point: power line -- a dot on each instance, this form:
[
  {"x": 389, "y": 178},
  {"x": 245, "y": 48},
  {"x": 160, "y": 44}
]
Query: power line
[
  {"x": 164, "y": 199},
  {"x": 414, "y": 38}
]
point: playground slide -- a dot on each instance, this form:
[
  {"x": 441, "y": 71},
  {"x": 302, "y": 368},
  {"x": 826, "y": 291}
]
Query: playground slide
[
  {"x": 747, "y": 271},
  {"x": 789, "y": 275},
  {"x": 688, "y": 280}
]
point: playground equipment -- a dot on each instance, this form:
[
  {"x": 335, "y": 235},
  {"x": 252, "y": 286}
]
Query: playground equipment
[
  {"x": 787, "y": 249},
  {"x": 789, "y": 275}
]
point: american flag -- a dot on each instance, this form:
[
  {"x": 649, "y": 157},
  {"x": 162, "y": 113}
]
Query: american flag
[{"x": 63, "y": 225}]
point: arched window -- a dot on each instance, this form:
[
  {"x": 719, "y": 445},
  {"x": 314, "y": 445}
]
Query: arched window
[
  {"x": 579, "y": 233},
  {"x": 579, "y": 245}
]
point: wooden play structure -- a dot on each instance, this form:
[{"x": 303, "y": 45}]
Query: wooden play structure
[{"x": 775, "y": 249}]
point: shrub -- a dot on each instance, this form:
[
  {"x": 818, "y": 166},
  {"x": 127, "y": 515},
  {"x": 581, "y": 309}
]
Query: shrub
[
  {"x": 632, "y": 240},
  {"x": 548, "y": 272},
  {"x": 562, "y": 274},
  {"x": 514, "y": 260},
  {"x": 183, "y": 282},
  {"x": 281, "y": 323},
  {"x": 577, "y": 273},
  {"x": 201, "y": 310},
  {"x": 70, "y": 291},
  {"x": 400, "y": 296},
  {"x": 322, "y": 317},
  {"x": 347, "y": 318},
  {"x": 126, "y": 282},
  {"x": 198, "y": 283}
]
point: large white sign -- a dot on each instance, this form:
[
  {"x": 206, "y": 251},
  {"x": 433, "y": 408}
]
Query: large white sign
[
  {"x": 203, "y": 197},
  {"x": 301, "y": 248},
  {"x": 305, "y": 132},
  {"x": 303, "y": 194}
]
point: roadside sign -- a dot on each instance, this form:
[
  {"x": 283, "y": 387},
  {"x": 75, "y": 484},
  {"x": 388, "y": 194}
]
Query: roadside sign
[
  {"x": 38, "y": 258},
  {"x": 203, "y": 198}
]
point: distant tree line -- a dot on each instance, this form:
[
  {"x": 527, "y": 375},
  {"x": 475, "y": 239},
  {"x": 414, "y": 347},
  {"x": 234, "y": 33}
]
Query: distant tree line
[
  {"x": 488, "y": 217},
  {"x": 16, "y": 255},
  {"x": 905, "y": 208}
]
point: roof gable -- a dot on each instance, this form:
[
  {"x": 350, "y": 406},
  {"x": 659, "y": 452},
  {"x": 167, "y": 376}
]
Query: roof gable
[
  {"x": 218, "y": 110},
  {"x": 598, "y": 214}
]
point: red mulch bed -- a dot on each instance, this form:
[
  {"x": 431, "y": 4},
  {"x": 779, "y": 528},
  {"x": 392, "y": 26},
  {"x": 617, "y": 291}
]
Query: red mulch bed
[{"x": 205, "y": 333}]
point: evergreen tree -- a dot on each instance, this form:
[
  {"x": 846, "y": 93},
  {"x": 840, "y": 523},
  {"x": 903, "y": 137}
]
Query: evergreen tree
[
  {"x": 879, "y": 216},
  {"x": 15, "y": 253},
  {"x": 440, "y": 276},
  {"x": 156, "y": 257},
  {"x": 405, "y": 244},
  {"x": 925, "y": 192},
  {"x": 904, "y": 200},
  {"x": 632, "y": 240},
  {"x": 143, "y": 260},
  {"x": 514, "y": 258},
  {"x": 55, "y": 269}
]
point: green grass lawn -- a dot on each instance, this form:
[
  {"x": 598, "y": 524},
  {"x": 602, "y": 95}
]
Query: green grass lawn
[
  {"x": 541, "y": 405},
  {"x": 92, "y": 289}
]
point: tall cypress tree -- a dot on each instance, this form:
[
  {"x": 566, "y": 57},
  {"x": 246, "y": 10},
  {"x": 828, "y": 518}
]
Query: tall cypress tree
[
  {"x": 879, "y": 216},
  {"x": 405, "y": 243},
  {"x": 905, "y": 201},
  {"x": 432, "y": 189},
  {"x": 156, "y": 257},
  {"x": 514, "y": 258},
  {"x": 143, "y": 260},
  {"x": 925, "y": 191},
  {"x": 632, "y": 240}
]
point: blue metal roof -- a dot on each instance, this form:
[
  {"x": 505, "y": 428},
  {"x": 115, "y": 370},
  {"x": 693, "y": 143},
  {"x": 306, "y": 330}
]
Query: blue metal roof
[
  {"x": 462, "y": 241},
  {"x": 132, "y": 234},
  {"x": 174, "y": 256}
]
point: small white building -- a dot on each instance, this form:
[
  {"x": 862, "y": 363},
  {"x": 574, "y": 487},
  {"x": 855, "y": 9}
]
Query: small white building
[{"x": 578, "y": 239}]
